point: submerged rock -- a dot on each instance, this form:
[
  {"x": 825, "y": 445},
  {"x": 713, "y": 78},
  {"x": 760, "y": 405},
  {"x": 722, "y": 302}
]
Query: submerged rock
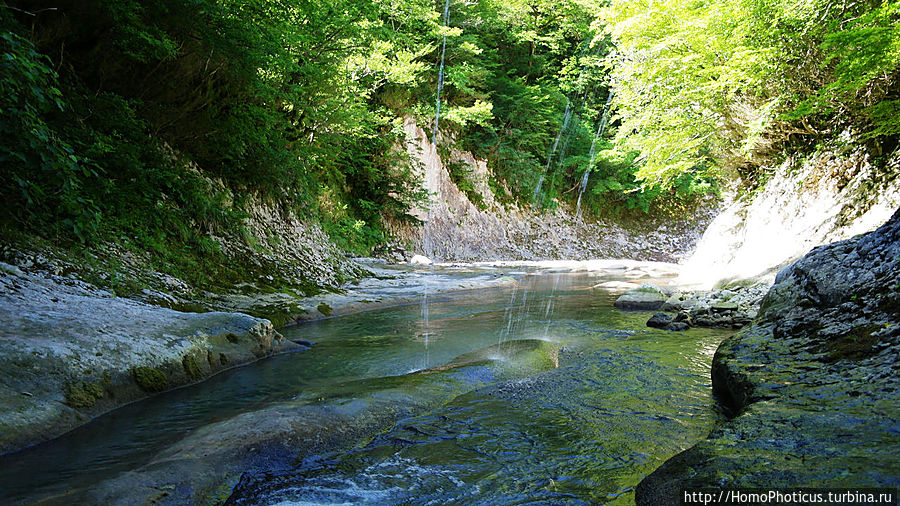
[
  {"x": 813, "y": 386},
  {"x": 210, "y": 461},
  {"x": 644, "y": 297}
]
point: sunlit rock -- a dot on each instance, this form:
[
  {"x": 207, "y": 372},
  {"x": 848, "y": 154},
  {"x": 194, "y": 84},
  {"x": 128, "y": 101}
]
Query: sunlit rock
[
  {"x": 420, "y": 260},
  {"x": 644, "y": 297}
]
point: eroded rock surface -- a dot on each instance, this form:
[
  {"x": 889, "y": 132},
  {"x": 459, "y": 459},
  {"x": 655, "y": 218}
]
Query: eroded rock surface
[
  {"x": 813, "y": 384},
  {"x": 70, "y": 351}
]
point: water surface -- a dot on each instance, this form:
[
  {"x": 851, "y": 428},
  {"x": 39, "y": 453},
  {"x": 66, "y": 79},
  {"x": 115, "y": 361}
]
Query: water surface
[{"x": 622, "y": 399}]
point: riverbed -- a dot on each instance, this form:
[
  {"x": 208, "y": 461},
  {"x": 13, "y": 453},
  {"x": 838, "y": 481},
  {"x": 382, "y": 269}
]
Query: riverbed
[{"x": 534, "y": 391}]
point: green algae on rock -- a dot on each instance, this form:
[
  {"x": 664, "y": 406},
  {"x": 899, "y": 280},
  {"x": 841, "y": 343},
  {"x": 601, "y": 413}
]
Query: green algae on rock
[{"x": 150, "y": 379}]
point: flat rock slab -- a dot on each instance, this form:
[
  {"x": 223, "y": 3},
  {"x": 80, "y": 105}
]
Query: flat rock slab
[{"x": 70, "y": 351}]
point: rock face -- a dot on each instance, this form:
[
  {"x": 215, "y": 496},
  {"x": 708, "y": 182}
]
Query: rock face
[
  {"x": 644, "y": 297},
  {"x": 833, "y": 195},
  {"x": 69, "y": 352},
  {"x": 813, "y": 386},
  {"x": 455, "y": 229}
]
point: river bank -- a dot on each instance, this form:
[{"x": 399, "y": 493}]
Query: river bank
[{"x": 812, "y": 386}]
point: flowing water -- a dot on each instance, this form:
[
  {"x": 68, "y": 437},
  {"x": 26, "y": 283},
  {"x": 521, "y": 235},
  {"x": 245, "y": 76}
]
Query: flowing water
[
  {"x": 440, "y": 84},
  {"x": 567, "y": 117},
  {"x": 592, "y": 155},
  {"x": 606, "y": 401}
]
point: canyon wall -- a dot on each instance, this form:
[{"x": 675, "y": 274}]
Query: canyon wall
[{"x": 455, "y": 229}]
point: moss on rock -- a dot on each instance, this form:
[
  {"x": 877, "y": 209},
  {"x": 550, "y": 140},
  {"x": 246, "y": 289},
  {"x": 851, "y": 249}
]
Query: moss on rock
[
  {"x": 324, "y": 308},
  {"x": 150, "y": 379},
  {"x": 857, "y": 344},
  {"x": 191, "y": 367},
  {"x": 83, "y": 394}
]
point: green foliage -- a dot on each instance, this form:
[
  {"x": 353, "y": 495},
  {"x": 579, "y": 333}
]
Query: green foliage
[
  {"x": 42, "y": 179},
  {"x": 461, "y": 175},
  {"x": 156, "y": 121},
  {"x": 705, "y": 86}
]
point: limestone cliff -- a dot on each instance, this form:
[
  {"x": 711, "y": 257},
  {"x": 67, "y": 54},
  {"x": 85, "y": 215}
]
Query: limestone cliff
[
  {"x": 838, "y": 192},
  {"x": 455, "y": 229}
]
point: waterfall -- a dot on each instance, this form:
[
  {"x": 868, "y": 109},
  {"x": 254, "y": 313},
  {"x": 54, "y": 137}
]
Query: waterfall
[
  {"x": 440, "y": 86},
  {"x": 604, "y": 119},
  {"x": 565, "y": 125}
]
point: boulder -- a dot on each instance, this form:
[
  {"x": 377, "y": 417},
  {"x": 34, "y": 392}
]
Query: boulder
[
  {"x": 644, "y": 297},
  {"x": 420, "y": 260},
  {"x": 811, "y": 388},
  {"x": 677, "y": 326},
  {"x": 659, "y": 320}
]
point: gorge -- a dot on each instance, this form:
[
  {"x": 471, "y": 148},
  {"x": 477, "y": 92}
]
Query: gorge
[{"x": 377, "y": 252}]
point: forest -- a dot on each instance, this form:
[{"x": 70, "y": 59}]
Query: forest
[{"x": 150, "y": 123}]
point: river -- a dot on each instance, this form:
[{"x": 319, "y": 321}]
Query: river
[{"x": 539, "y": 391}]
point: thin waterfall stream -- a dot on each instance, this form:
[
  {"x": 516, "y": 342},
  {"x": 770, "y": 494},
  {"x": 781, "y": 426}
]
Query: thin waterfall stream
[
  {"x": 440, "y": 84},
  {"x": 567, "y": 117},
  {"x": 604, "y": 119}
]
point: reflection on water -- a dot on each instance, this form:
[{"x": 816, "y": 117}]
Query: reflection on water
[{"x": 623, "y": 398}]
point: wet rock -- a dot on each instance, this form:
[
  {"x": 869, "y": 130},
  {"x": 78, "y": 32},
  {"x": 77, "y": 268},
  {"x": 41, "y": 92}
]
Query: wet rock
[
  {"x": 80, "y": 351},
  {"x": 211, "y": 460},
  {"x": 644, "y": 297},
  {"x": 730, "y": 308},
  {"x": 677, "y": 326},
  {"x": 659, "y": 320},
  {"x": 812, "y": 388}
]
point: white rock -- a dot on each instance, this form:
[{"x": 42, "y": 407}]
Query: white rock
[{"x": 420, "y": 260}]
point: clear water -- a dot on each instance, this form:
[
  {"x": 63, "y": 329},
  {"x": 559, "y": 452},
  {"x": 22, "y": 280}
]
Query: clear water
[{"x": 621, "y": 400}]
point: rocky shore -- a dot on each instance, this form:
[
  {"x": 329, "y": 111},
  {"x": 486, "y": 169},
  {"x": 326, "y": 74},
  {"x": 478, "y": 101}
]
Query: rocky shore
[
  {"x": 732, "y": 307},
  {"x": 70, "y": 351},
  {"x": 811, "y": 388}
]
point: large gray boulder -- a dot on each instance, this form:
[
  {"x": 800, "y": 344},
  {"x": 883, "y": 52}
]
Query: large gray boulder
[
  {"x": 812, "y": 387},
  {"x": 645, "y": 297},
  {"x": 70, "y": 351}
]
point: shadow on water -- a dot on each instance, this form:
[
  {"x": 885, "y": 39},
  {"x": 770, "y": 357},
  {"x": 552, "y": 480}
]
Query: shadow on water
[{"x": 622, "y": 399}]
